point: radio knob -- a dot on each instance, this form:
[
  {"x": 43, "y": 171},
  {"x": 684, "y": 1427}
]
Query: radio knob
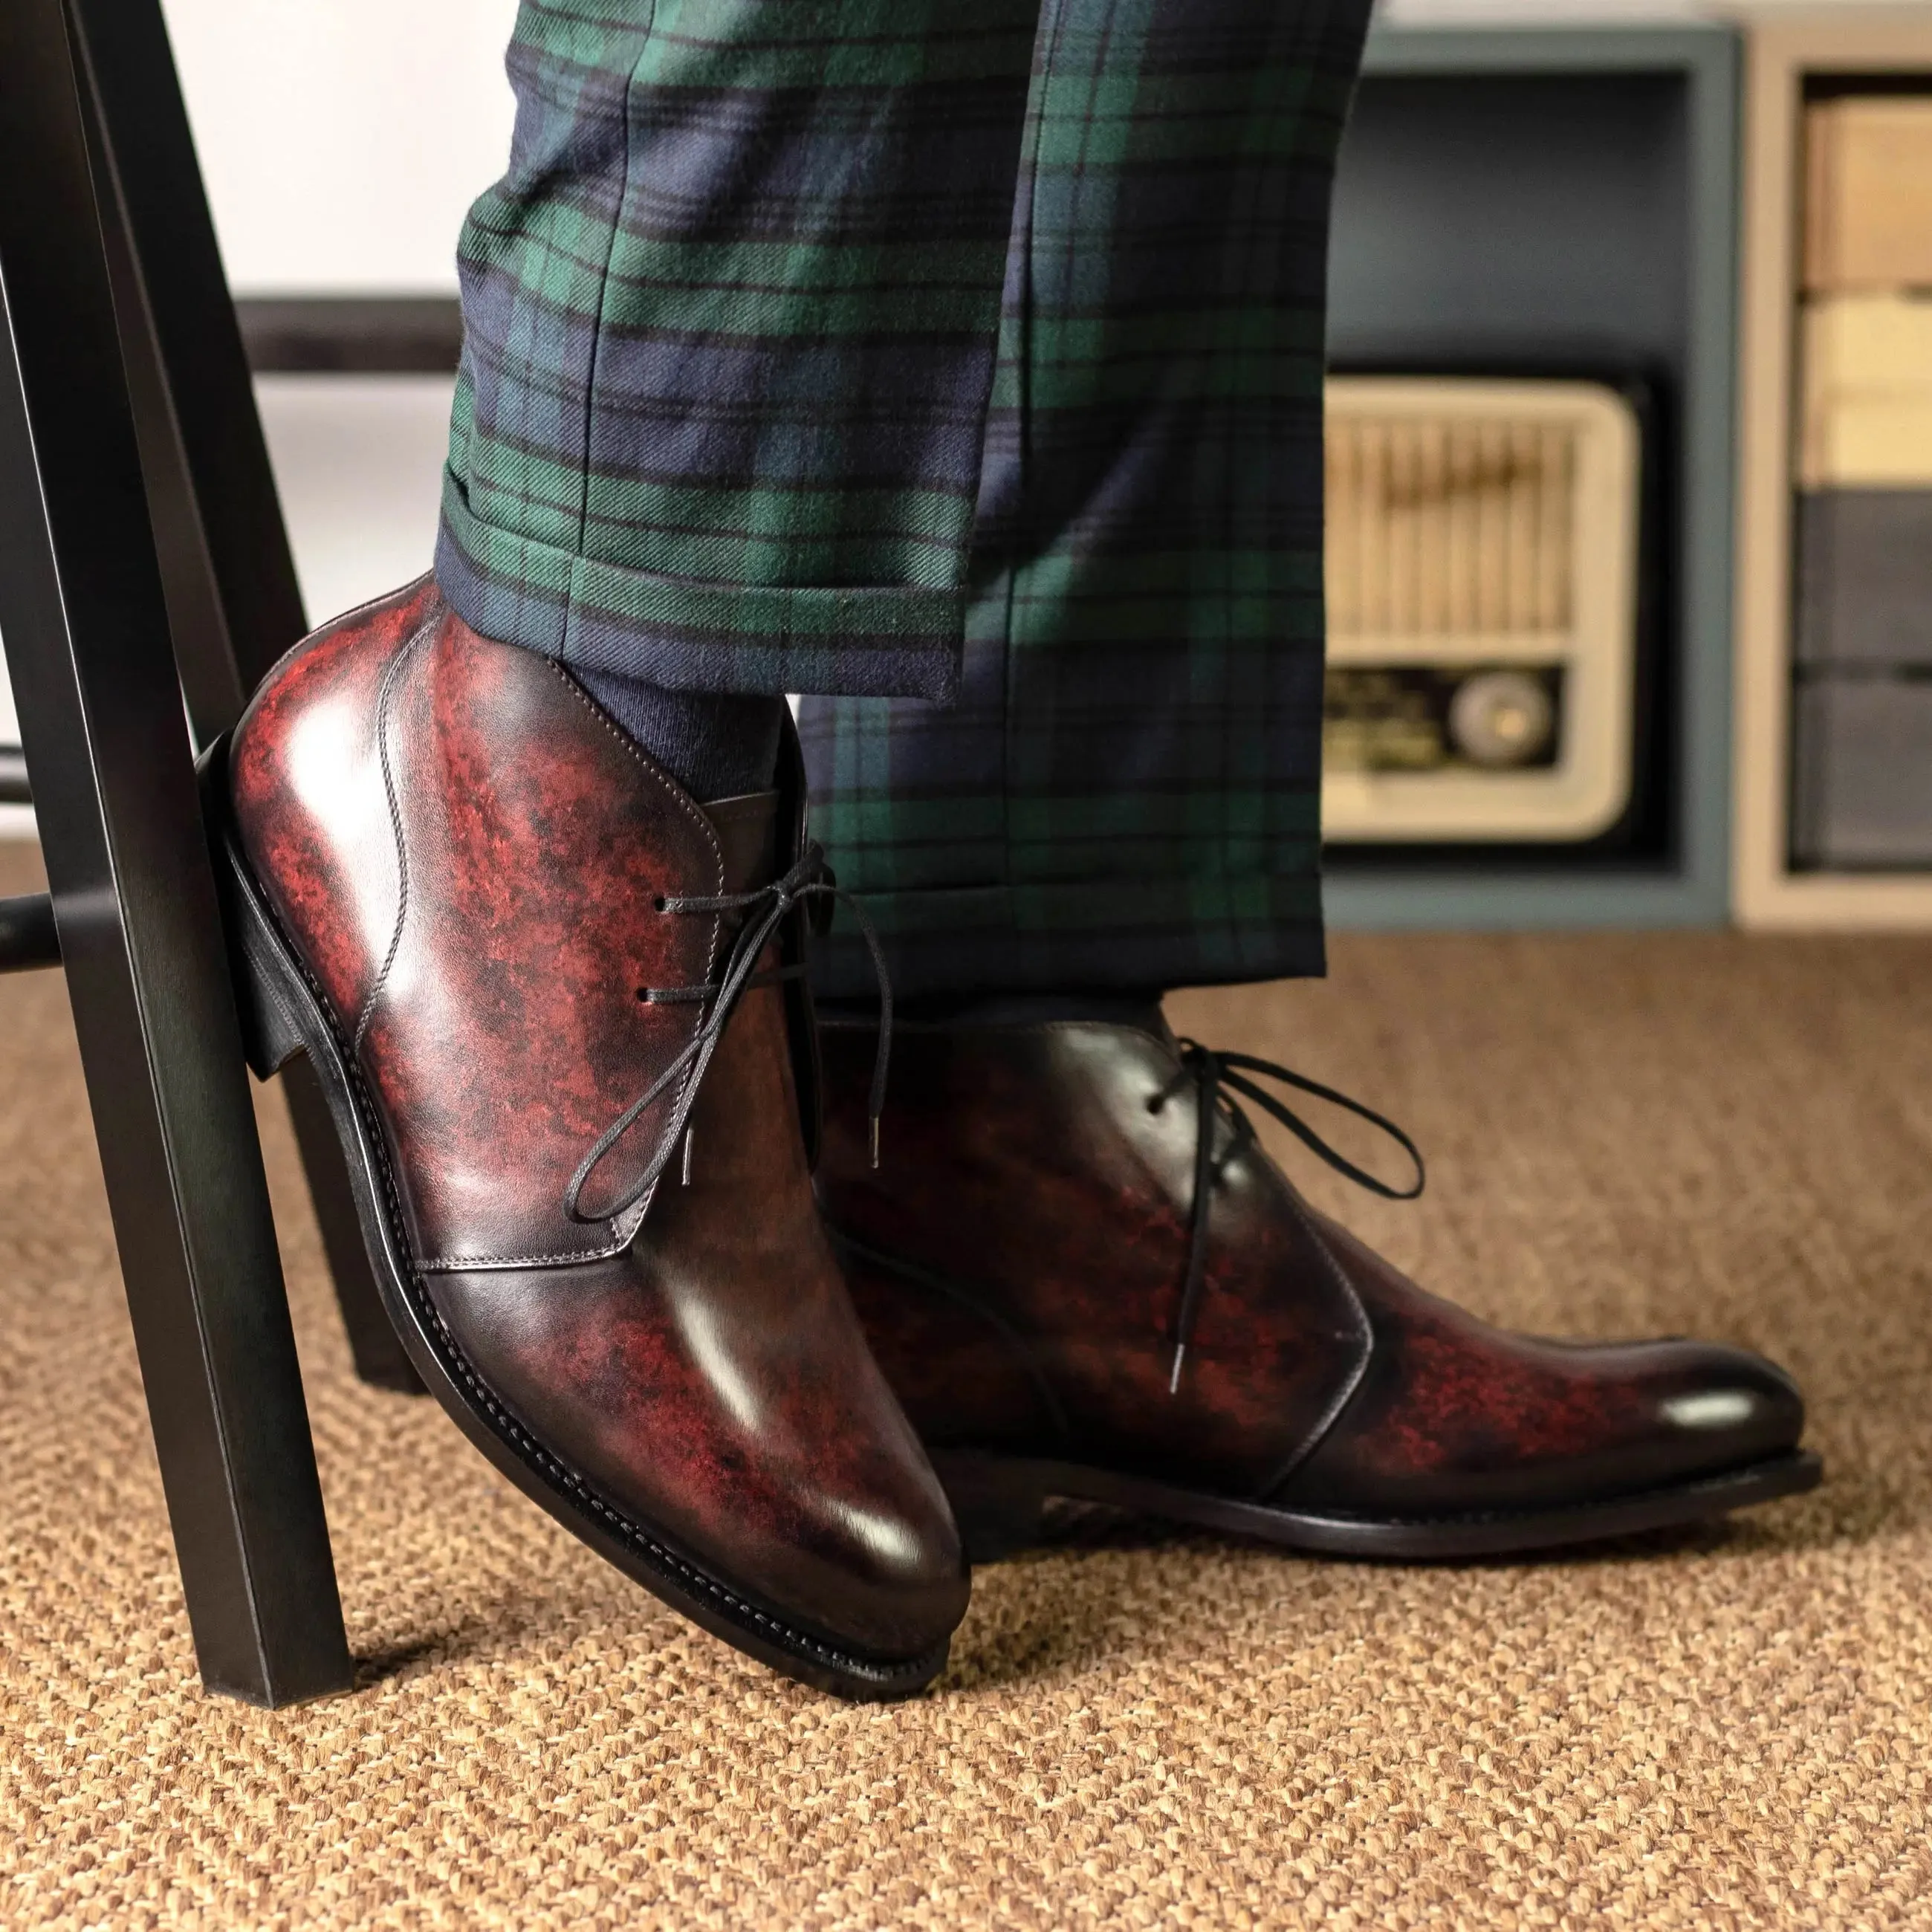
[{"x": 1501, "y": 718}]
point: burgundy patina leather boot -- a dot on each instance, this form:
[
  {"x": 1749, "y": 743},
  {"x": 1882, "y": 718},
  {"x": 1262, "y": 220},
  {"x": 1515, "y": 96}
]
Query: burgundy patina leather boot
[
  {"x": 552, "y": 1001},
  {"x": 1085, "y": 1279}
]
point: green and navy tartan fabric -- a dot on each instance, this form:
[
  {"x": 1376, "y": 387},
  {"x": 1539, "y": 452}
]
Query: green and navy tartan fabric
[
  {"x": 729, "y": 326},
  {"x": 732, "y": 418},
  {"x": 1127, "y": 792}
]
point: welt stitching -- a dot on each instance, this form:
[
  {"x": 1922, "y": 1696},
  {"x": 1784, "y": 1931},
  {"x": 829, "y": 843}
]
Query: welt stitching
[
  {"x": 1457, "y": 1520},
  {"x": 507, "y": 1425},
  {"x": 1529, "y": 1512}
]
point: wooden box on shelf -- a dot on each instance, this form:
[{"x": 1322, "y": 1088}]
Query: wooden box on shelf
[{"x": 1833, "y": 772}]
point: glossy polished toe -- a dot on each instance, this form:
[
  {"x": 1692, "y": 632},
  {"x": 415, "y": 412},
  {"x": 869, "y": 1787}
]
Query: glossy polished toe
[
  {"x": 712, "y": 1380},
  {"x": 823, "y": 1530},
  {"x": 1453, "y": 1417}
]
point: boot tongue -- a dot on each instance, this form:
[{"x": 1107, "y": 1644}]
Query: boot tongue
[{"x": 747, "y": 828}]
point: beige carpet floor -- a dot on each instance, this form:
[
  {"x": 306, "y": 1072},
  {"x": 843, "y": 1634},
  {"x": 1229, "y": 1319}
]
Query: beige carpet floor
[{"x": 1656, "y": 1132}]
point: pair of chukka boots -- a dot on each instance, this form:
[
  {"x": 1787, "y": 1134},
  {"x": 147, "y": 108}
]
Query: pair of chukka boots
[{"x": 557, "y": 1005}]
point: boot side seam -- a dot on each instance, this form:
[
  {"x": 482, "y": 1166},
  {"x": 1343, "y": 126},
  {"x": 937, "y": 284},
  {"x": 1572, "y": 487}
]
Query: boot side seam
[
  {"x": 624, "y": 1230},
  {"x": 1325, "y": 1424},
  {"x": 384, "y": 703},
  {"x": 379, "y": 1142}
]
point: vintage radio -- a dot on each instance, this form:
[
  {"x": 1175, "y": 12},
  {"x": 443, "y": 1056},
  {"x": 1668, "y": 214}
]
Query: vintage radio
[{"x": 1482, "y": 565}]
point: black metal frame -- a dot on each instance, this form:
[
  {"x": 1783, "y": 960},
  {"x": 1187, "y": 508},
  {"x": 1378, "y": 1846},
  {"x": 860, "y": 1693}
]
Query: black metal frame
[
  {"x": 137, "y": 512},
  {"x": 233, "y": 602},
  {"x": 384, "y": 335}
]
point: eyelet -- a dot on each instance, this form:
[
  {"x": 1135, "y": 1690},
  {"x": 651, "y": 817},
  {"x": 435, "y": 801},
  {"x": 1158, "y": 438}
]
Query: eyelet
[
  {"x": 1155, "y": 1102},
  {"x": 657, "y": 901}
]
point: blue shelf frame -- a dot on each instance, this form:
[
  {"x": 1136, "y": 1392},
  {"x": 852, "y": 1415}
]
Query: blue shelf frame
[{"x": 1693, "y": 887}]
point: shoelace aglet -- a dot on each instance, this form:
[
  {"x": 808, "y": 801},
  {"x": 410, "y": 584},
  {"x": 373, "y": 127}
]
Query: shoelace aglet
[
  {"x": 1173, "y": 1380},
  {"x": 763, "y": 911}
]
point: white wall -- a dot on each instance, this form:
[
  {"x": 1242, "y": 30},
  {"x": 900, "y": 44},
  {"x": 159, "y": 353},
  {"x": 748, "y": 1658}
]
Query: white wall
[{"x": 343, "y": 139}]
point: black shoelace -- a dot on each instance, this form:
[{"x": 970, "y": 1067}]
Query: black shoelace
[
  {"x": 1212, "y": 1075},
  {"x": 759, "y": 915}
]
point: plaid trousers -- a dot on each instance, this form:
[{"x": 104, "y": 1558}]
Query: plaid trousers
[{"x": 960, "y": 367}]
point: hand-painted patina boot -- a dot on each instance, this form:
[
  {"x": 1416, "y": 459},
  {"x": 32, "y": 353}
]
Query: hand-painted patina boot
[
  {"x": 1085, "y": 1279},
  {"x": 552, "y": 1000}
]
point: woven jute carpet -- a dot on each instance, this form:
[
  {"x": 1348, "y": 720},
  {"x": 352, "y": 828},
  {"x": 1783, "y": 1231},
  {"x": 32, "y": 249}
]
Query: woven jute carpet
[{"x": 1626, "y": 1134}]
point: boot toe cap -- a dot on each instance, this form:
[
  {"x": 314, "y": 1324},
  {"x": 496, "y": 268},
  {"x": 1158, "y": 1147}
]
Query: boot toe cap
[
  {"x": 1713, "y": 1408},
  {"x": 889, "y": 1580},
  {"x": 1472, "y": 1423}
]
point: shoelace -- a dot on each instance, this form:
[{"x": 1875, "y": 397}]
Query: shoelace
[
  {"x": 761, "y": 913},
  {"x": 1212, "y": 1075}
]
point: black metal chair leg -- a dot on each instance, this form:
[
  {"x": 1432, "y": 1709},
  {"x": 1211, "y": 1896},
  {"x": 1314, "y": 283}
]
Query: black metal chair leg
[
  {"x": 83, "y": 611},
  {"x": 226, "y": 568}
]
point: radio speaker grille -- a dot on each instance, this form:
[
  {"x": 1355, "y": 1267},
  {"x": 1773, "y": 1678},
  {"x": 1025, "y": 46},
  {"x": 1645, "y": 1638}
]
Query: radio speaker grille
[{"x": 1439, "y": 527}]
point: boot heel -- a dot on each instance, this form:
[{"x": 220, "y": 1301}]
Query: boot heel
[
  {"x": 270, "y": 1036},
  {"x": 998, "y": 1506}
]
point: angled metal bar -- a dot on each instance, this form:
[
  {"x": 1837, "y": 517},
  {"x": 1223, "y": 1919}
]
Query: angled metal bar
[
  {"x": 381, "y": 334},
  {"x": 226, "y": 564},
  {"x": 85, "y": 621},
  {"x": 28, "y": 939}
]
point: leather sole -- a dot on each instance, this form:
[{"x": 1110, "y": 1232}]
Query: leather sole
[
  {"x": 1000, "y": 1501},
  {"x": 283, "y": 1015}
]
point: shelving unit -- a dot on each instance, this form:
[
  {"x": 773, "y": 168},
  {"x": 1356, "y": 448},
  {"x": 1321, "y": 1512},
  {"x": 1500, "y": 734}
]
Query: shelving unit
[
  {"x": 1793, "y": 60},
  {"x": 1549, "y": 198}
]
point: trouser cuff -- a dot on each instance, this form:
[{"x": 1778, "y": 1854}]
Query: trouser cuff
[{"x": 681, "y": 634}]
